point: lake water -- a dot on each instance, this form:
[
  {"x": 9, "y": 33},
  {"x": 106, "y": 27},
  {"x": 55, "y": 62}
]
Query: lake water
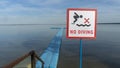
[{"x": 17, "y": 40}]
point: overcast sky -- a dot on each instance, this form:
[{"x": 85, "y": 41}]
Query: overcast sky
[{"x": 54, "y": 11}]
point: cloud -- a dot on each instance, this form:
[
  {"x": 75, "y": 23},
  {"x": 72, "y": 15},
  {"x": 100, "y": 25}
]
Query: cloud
[
  {"x": 18, "y": 13},
  {"x": 44, "y": 11},
  {"x": 114, "y": 1},
  {"x": 4, "y": 3},
  {"x": 44, "y": 2},
  {"x": 19, "y": 9},
  {"x": 27, "y": 6}
]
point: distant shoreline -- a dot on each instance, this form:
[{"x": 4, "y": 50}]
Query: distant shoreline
[
  {"x": 27, "y": 24},
  {"x": 46, "y": 24},
  {"x": 108, "y": 23}
]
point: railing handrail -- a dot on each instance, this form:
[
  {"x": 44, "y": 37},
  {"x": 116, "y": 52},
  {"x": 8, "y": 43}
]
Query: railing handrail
[{"x": 33, "y": 61}]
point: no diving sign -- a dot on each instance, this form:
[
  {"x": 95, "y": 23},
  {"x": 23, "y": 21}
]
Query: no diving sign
[{"x": 81, "y": 23}]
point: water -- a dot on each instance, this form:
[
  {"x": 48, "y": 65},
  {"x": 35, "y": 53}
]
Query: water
[
  {"x": 100, "y": 53},
  {"x": 15, "y": 41},
  {"x": 103, "y": 52}
]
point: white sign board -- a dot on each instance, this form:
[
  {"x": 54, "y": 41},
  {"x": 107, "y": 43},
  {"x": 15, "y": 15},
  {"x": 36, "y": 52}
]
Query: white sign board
[{"x": 81, "y": 23}]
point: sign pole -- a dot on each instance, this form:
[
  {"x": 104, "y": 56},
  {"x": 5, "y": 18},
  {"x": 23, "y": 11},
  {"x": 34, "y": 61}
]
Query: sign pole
[
  {"x": 81, "y": 24},
  {"x": 80, "y": 53}
]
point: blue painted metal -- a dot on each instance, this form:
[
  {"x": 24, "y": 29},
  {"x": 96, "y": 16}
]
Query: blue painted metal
[
  {"x": 56, "y": 28},
  {"x": 81, "y": 53},
  {"x": 51, "y": 54}
]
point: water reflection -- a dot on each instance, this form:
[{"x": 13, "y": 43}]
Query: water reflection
[{"x": 103, "y": 52}]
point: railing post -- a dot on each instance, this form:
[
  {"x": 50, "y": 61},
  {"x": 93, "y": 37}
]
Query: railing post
[{"x": 32, "y": 59}]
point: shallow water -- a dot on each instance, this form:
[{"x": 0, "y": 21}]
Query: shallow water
[{"x": 103, "y": 52}]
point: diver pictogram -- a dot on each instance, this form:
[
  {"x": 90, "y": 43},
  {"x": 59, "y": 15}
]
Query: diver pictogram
[
  {"x": 85, "y": 23},
  {"x": 76, "y": 16}
]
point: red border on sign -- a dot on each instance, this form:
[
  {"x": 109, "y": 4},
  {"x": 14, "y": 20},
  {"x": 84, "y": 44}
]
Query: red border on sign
[{"x": 83, "y": 9}]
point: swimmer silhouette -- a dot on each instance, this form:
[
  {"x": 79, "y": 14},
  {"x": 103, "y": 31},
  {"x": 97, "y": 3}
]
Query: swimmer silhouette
[{"x": 76, "y": 16}]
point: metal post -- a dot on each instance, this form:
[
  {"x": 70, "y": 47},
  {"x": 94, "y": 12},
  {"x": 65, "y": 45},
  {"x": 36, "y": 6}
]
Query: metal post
[
  {"x": 32, "y": 59},
  {"x": 80, "y": 53}
]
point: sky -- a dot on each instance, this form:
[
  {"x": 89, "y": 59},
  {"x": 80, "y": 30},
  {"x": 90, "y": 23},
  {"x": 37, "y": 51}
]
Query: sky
[{"x": 54, "y": 11}]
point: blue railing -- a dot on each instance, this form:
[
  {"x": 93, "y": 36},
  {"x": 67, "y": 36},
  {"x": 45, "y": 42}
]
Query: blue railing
[{"x": 51, "y": 54}]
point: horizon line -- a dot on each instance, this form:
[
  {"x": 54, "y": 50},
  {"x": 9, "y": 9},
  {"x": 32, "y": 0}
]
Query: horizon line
[{"x": 51, "y": 24}]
